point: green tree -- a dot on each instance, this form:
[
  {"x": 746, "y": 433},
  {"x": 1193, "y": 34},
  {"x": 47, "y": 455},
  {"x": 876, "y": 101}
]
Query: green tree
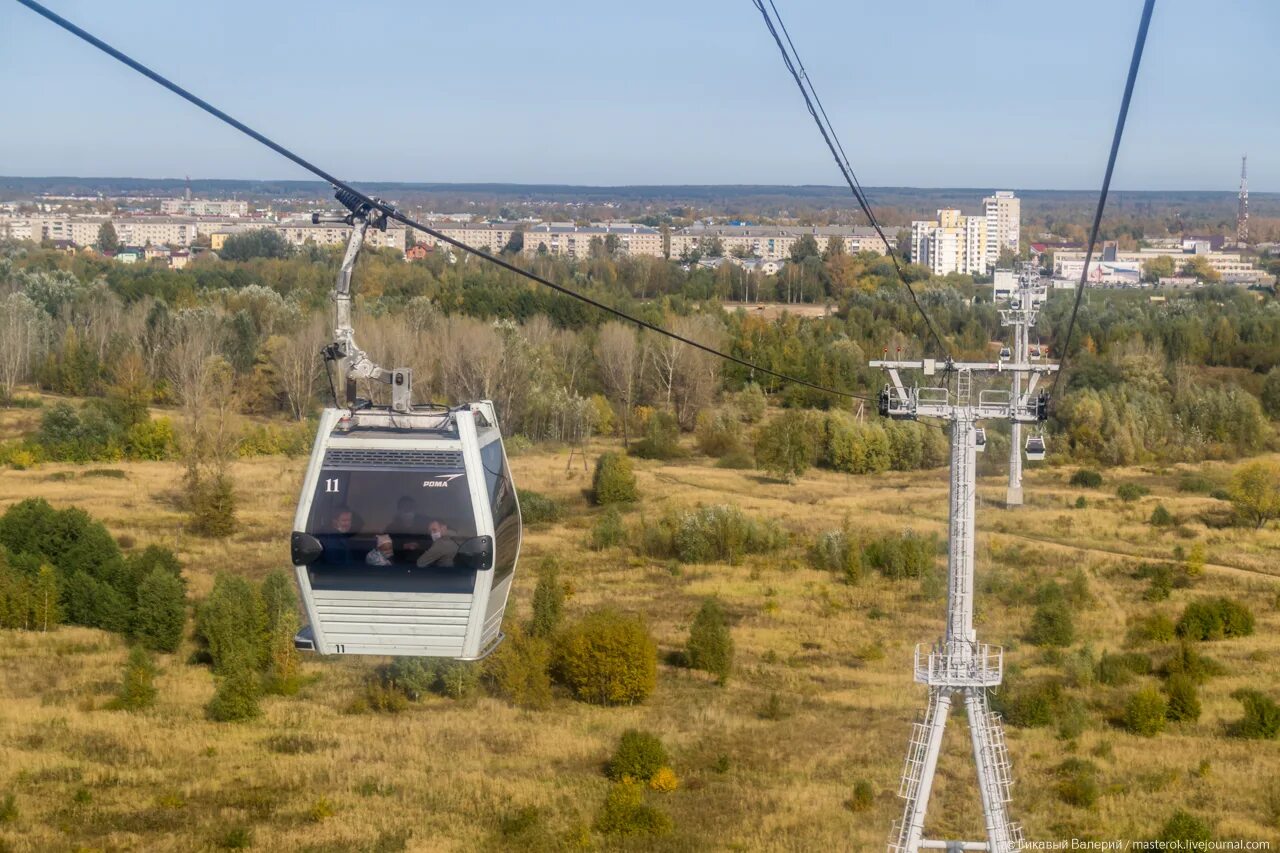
[
  {"x": 639, "y": 756},
  {"x": 45, "y": 606},
  {"x": 1157, "y": 268},
  {"x": 1261, "y": 719},
  {"x": 161, "y": 611},
  {"x": 236, "y": 698},
  {"x": 519, "y": 670},
  {"x": 137, "y": 687},
  {"x": 786, "y": 446},
  {"x": 548, "y": 600},
  {"x": 283, "y": 663},
  {"x": 108, "y": 240},
  {"x": 614, "y": 480},
  {"x": 232, "y": 621},
  {"x": 258, "y": 243},
  {"x": 1270, "y": 396},
  {"x": 1052, "y": 624},
  {"x": 805, "y": 247},
  {"x": 1255, "y": 492},
  {"x": 1198, "y": 266},
  {"x": 710, "y": 646}
]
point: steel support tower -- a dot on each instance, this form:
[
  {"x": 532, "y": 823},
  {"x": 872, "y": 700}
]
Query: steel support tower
[
  {"x": 1020, "y": 316},
  {"x": 958, "y": 669}
]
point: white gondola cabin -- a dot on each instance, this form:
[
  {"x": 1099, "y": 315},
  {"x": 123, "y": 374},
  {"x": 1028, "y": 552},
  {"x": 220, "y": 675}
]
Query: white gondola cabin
[
  {"x": 1035, "y": 448},
  {"x": 980, "y": 439},
  {"x": 407, "y": 533}
]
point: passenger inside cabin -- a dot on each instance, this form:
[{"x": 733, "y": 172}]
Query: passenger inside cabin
[
  {"x": 443, "y": 547},
  {"x": 383, "y": 554},
  {"x": 408, "y": 526},
  {"x": 337, "y": 546}
]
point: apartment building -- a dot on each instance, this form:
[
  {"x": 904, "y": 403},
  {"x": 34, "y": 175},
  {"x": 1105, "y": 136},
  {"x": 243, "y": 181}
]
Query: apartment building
[
  {"x": 1111, "y": 266},
  {"x": 300, "y": 232},
  {"x": 968, "y": 244},
  {"x": 203, "y": 207},
  {"x": 574, "y": 241},
  {"x": 773, "y": 242},
  {"x": 493, "y": 237}
]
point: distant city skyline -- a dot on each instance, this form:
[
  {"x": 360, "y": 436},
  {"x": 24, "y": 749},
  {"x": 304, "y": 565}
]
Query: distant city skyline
[{"x": 933, "y": 94}]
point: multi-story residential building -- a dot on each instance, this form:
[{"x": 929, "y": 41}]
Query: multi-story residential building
[
  {"x": 1004, "y": 224},
  {"x": 574, "y": 241},
  {"x": 204, "y": 207},
  {"x": 301, "y": 232},
  {"x": 493, "y": 237},
  {"x": 773, "y": 242},
  {"x": 1112, "y": 266},
  {"x": 968, "y": 244}
]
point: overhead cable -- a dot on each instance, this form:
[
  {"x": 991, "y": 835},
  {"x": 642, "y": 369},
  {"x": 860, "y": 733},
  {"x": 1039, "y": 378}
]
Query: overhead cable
[{"x": 392, "y": 213}]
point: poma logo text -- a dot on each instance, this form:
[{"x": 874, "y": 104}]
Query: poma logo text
[{"x": 440, "y": 481}]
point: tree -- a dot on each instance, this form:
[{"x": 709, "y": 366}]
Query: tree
[
  {"x": 548, "y": 600},
  {"x": 786, "y": 447},
  {"x": 1184, "y": 702},
  {"x": 618, "y": 356},
  {"x": 1255, "y": 492},
  {"x": 296, "y": 363},
  {"x": 232, "y": 622},
  {"x": 607, "y": 658},
  {"x": 161, "y": 612},
  {"x": 282, "y": 659},
  {"x": 614, "y": 480},
  {"x": 710, "y": 646},
  {"x": 1270, "y": 396},
  {"x": 805, "y": 247},
  {"x": 137, "y": 687},
  {"x": 258, "y": 243},
  {"x": 1198, "y": 266},
  {"x": 108, "y": 240},
  {"x": 24, "y": 329},
  {"x": 46, "y": 611},
  {"x": 1157, "y": 268}
]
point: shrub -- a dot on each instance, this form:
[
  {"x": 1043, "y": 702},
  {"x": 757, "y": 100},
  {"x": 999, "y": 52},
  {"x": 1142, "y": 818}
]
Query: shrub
[
  {"x": 863, "y": 798},
  {"x": 548, "y": 600},
  {"x": 751, "y": 402},
  {"x": 1145, "y": 712},
  {"x": 719, "y": 432},
  {"x": 787, "y": 446},
  {"x": 857, "y": 448},
  {"x": 740, "y": 460},
  {"x": 664, "y": 781},
  {"x": 161, "y": 612},
  {"x": 1086, "y": 478},
  {"x": 720, "y": 533},
  {"x": 614, "y": 481},
  {"x": 608, "y": 531},
  {"x": 1129, "y": 492},
  {"x": 1187, "y": 660},
  {"x": 150, "y": 440},
  {"x": 236, "y": 698},
  {"x": 1152, "y": 628},
  {"x": 625, "y": 813},
  {"x": 518, "y": 670},
  {"x": 1030, "y": 705},
  {"x": 1215, "y": 619},
  {"x": 1052, "y": 624},
  {"x": 9, "y": 809},
  {"x": 1117, "y": 670},
  {"x": 415, "y": 677},
  {"x": 607, "y": 659},
  {"x": 710, "y": 646},
  {"x": 1161, "y": 517},
  {"x": 137, "y": 688},
  {"x": 661, "y": 439},
  {"x": 1184, "y": 827},
  {"x": 838, "y": 551},
  {"x": 537, "y": 508},
  {"x": 639, "y": 755},
  {"x": 1197, "y": 483},
  {"x": 1078, "y": 782},
  {"x": 1184, "y": 701},
  {"x": 904, "y": 555},
  {"x": 1081, "y": 503},
  {"x": 1261, "y": 720}
]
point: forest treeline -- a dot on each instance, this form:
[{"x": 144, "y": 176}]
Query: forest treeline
[{"x": 1188, "y": 378}]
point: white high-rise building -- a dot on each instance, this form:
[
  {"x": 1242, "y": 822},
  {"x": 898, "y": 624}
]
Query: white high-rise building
[{"x": 1004, "y": 220}]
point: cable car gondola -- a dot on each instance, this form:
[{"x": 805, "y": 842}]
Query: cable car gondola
[
  {"x": 408, "y": 528},
  {"x": 1005, "y": 353},
  {"x": 1035, "y": 448},
  {"x": 979, "y": 439}
]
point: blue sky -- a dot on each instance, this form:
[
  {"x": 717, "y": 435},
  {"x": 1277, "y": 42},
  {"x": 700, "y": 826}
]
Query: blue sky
[{"x": 961, "y": 93}]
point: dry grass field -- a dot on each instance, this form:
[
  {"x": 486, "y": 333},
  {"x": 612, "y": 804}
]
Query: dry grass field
[{"x": 443, "y": 775}]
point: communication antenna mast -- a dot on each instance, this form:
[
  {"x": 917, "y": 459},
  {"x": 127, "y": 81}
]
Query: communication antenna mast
[
  {"x": 958, "y": 666},
  {"x": 1242, "y": 212},
  {"x": 1024, "y": 305}
]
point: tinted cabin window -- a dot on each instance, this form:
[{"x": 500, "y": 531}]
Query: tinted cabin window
[
  {"x": 506, "y": 514},
  {"x": 353, "y": 507}
]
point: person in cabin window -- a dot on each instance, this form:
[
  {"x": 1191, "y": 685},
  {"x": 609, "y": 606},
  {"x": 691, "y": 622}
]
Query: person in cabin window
[
  {"x": 443, "y": 547},
  {"x": 383, "y": 553},
  {"x": 409, "y": 528},
  {"x": 337, "y": 545}
]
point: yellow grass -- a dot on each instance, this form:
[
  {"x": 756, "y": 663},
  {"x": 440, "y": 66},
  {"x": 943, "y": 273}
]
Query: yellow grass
[{"x": 441, "y": 775}]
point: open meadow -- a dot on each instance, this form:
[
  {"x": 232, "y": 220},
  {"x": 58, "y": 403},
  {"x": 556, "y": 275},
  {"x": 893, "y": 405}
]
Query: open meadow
[{"x": 820, "y": 697}]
